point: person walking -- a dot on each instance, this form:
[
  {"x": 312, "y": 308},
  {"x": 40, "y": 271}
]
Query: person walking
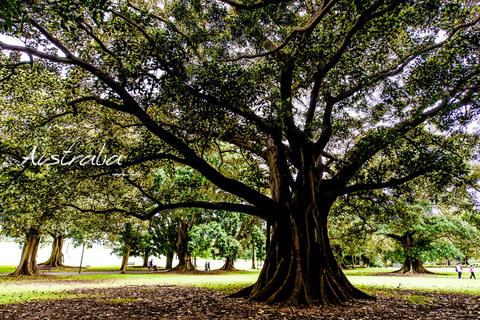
[
  {"x": 458, "y": 269},
  {"x": 150, "y": 265},
  {"x": 472, "y": 273}
]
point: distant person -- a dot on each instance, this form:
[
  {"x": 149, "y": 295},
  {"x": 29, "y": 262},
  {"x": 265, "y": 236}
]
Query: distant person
[
  {"x": 458, "y": 269},
  {"x": 206, "y": 266},
  {"x": 472, "y": 273},
  {"x": 150, "y": 265}
]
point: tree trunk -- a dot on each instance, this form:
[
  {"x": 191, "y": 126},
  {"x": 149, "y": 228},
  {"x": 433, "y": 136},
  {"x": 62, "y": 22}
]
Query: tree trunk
[
  {"x": 300, "y": 267},
  {"x": 411, "y": 264},
  {"x": 146, "y": 255},
  {"x": 228, "y": 265},
  {"x": 28, "y": 264},
  {"x": 126, "y": 255},
  {"x": 56, "y": 256},
  {"x": 267, "y": 241},
  {"x": 184, "y": 263},
  {"x": 169, "y": 263},
  {"x": 253, "y": 255},
  {"x": 361, "y": 263},
  {"x": 184, "y": 257}
]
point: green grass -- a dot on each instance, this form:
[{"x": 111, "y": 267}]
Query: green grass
[
  {"x": 38, "y": 296},
  {"x": 7, "y": 269},
  {"x": 46, "y": 287},
  {"x": 121, "y": 300},
  {"x": 418, "y": 299},
  {"x": 110, "y": 268},
  {"x": 443, "y": 281},
  {"x": 372, "y": 280}
]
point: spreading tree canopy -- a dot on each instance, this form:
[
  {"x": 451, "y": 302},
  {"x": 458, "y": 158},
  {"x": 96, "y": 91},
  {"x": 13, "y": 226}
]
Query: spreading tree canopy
[{"x": 329, "y": 97}]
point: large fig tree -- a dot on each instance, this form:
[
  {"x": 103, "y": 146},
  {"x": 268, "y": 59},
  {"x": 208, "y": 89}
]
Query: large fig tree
[{"x": 332, "y": 97}]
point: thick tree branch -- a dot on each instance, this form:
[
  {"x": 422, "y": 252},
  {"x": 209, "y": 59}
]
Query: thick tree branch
[
  {"x": 385, "y": 184},
  {"x": 51, "y": 118},
  {"x": 324, "y": 67},
  {"x": 107, "y": 211},
  {"x": 153, "y": 157},
  {"x": 192, "y": 159},
  {"x": 57, "y": 43},
  {"x": 251, "y": 5},
  {"x": 307, "y": 28},
  {"x": 142, "y": 191},
  {"x": 130, "y": 106},
  {"x": 104, "y": 102},
  {"x": 372, "y": 143},
  {"x": 326, "y": 128},
  {"x": 286, "y": 79},
  {"x": 224, "y": 206},
  {"x": 71, "y": 60},
  {"x": 394, "y": 236},
  {"x": 404, "y": 62}
]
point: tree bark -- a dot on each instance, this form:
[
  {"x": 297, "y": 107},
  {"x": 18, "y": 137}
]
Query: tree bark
[
  {"x": 228, "y": 265},
  {"x": 184, "y": 263},
  {"x": 267, "y": 241},
  {"x": 126, "y": 255},
  {"x": 184, "y": 258},
  {"x": 169, "y": 263},
  {"x": 411, "y": 264},
  {"x": 253, "y": 255},
  {"x": 300, "y": 267},
  {"x": 28, "y": 264},
  {"x": 56, "y": 256},
  {"x": 146, "y": 255}
]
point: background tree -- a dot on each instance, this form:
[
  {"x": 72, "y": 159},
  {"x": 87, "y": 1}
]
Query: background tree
[
  {"x": 218, "y": 238},
  {"x": 163, "y": 229}
]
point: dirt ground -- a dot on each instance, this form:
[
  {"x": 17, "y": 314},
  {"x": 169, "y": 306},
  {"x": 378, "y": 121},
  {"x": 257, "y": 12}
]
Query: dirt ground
[{"x": 176, "y": 302}]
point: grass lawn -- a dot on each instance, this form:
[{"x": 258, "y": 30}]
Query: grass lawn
[
  {"x": 7, "y": 269},
  {"x": 443, "y": 281},
  {"x": 21, "y": 289},
  {"x": 54, "y": 286}
]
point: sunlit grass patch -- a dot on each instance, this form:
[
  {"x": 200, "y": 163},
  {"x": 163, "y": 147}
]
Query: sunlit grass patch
[
  {"x": 444, "y": 284},
  {"x": 419, "y": 299},
  {"x": 30, "y": 287},
  {"x": 121, "y": 300},
  {"x": 27, "y": 296},
  {"x": 371, "y": 280},
  {"x": 7, "y": 269}
]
